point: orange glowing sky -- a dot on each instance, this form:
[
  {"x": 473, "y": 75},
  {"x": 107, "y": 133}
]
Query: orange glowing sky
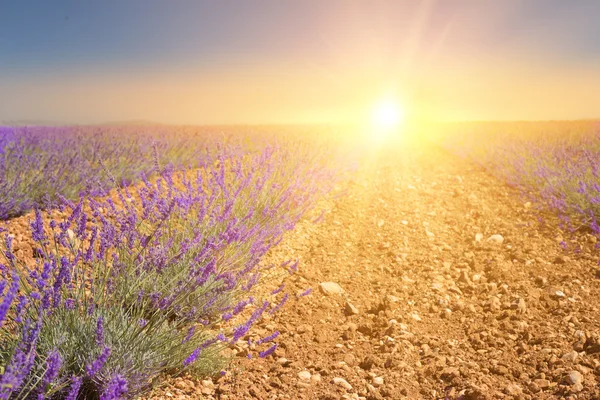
[{"x": 204, "y": 62}]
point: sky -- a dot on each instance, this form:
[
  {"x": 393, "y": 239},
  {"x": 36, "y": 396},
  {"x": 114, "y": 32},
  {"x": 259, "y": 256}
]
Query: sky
[{"x": 309, "y": 61}]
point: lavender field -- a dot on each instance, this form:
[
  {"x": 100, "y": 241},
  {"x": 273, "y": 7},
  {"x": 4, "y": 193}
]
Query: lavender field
[
  {"x": 139, "y": 262},
  {"x": 147, "y": 251}
]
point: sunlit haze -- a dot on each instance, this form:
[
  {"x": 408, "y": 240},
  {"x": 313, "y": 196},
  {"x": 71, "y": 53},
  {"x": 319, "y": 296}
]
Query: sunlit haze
[{"x": 272, "y": 61}]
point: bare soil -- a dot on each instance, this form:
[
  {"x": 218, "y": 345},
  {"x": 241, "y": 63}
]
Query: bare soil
[{"x": 429, "y": 308}]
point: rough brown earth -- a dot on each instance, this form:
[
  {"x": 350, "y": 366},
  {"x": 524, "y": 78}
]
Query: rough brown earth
[{"x": 434, "y": 306}]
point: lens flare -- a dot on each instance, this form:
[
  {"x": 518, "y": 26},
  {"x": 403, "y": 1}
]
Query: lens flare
[{"x": 387, "y": 116}]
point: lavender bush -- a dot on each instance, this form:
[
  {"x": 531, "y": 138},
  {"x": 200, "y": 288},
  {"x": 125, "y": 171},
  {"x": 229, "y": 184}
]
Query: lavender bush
[{"x": 153, "y": 279}]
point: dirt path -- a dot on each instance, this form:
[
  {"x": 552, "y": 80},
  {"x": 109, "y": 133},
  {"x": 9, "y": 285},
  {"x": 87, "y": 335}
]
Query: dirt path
[{"x": 428, "y": 310}]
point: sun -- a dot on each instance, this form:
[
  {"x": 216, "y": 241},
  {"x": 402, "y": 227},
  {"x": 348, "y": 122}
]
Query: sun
[{"x": 387, "y": 115}]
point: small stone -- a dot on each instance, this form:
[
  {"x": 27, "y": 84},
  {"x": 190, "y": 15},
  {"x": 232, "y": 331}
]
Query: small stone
[
  {"x": 207, "y": 383},
  {"x": 534, "y": 388},
  {"x": 574, "y": 377},
  {"x": 541, "y": 281},
  {"x": 180, "y": 384},
  {"x": 501, "y": 370},
  {"x": 342, "y": 383},
  {"x": 519, "y": 305},
  {"x": 513, "y": 389},
  {"x": 478, "y": 237},
  {"x": 350, "y": 309},
  {"x": 377, "y": 381},
  {"x": 450, "y": 373},
  {"x": 350, "y": 359},
  {"x": 576, "y": 388},
  {"x": 494, "y": 304},
  {"x": 367, "y": 363},
  {"x": 301, "y": 384},
  {"x": 495, "y": 239},
  {"x": 560, "y": 260},
  {"x": 415, "y": 316},
  {"x": 304, "y": 375},
  {"x": 283, "y": 361},
  {"x": 570, "y": 356},
  {"x": 464, "y": 277},
  {"x": 328, "y": 288},
  {"x": 304, "y": 328},
  {"x": 315, "y": 378},
  {"x": 542, "y": 383},
  {"x": 583, "y": 369}
]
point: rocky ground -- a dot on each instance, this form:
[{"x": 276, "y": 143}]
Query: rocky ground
[{"x": 431, "y": 280}]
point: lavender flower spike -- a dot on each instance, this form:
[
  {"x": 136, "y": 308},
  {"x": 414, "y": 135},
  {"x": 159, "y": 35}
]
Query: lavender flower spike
[
  {"x": 8, "y": 299},
  {"x": 116, "y": 388},
  {"x": 74, "y": 389},
  {"x": 95, "y": 367},
  {"x": 37, "y": 227}
]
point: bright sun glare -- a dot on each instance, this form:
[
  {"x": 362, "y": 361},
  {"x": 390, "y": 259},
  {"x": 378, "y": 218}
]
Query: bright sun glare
[{"x": 387, "y": 115}]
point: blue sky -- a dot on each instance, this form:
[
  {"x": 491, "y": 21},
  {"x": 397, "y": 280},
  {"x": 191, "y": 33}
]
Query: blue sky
[{"x": 292, "y": 61}]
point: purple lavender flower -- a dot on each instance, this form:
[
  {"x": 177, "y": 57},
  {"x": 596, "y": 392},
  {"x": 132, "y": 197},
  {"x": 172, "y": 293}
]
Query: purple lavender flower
[
  {"x": 100, "y": 331},
  {"x": 89, "y": 254},
  {"x": 226, "y": 316},
  {"x": 192, "y": 357},
  {"x": 115, "y": 389},
  {"x": 46, "y": 299},
  {"x": 294, "y": 267},
  {"x": 269, "y": 338},
  {"x": 22, "y": 360},
  {"x": 70, "y": 304},
  {"x": 95, "y": 367},
  {"x": 268, "y": 352},
  {"x": 19, "y": 310},
  {"x": 37, "y": 227},
  {"x": 189, "y": 335},
  {"x": 74, "y": 389},
  {"x": 241, "y": 330},
  {"x": 9, "y": 243},
  {"x": 279, "y": 289},
  {"x": 53, "y": 364},
  {"x": 221, "y": 337},
  {"x": 280, "y": 304},
  {"x": 8, "y": 299}
]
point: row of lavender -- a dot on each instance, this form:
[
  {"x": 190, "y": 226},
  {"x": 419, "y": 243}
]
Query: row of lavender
[
  {"x": 155, "y": 278},
  {"x": 555, "y": 164},
  {"x": 39, "y": 164}
]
